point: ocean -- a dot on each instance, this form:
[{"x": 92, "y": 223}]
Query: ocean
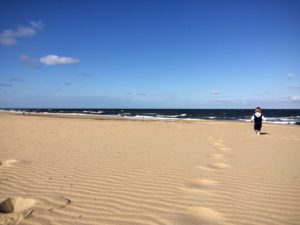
[{"x": 278, "y": 116}]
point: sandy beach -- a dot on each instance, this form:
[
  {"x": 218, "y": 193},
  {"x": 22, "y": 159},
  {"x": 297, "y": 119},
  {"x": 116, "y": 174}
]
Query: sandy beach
[{"x": 97, "y": 171}]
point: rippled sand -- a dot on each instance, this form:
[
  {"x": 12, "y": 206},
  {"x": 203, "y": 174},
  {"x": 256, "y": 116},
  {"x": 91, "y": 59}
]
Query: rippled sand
[{"x": 87, "y": 171}]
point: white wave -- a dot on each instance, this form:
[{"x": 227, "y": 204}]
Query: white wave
[
  {"x": 191, "y": 119},
  {"x": 92, "y": 112},
  {"x": 171, "y": 116},
  {"x": 11, "y": 111},
  {"x": 151, "y": 117},
  {"x": 167, "y": 116},
  {"x": 282, "y": 122},
  {"x": 244, "y": 120}
]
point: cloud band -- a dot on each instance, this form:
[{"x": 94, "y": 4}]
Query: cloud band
[{"x": 10, "y": 37}]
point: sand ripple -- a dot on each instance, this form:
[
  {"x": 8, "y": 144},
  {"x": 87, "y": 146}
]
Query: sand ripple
[{"x": 78, "y": 171}]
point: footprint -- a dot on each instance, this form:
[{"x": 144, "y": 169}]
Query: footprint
[
  {"x": 206, "y": 216},
  {"x": 197, "y": 191},
  {"x": 225, "y": 149},
  {"x": 220, "y": 166},
  {"x": 203, "y": 183},
  {"x": 7, "y": 162},
  {"x": 16, "y": 204},
  {"x": 14, "y": 210},
  {"x": 218, "y": 144}
]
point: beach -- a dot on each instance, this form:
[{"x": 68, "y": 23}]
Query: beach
[{"x": 71, "y": 170}]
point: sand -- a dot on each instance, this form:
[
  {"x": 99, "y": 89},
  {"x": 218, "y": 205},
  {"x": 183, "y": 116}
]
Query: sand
[{"x": 87, "y": 171}]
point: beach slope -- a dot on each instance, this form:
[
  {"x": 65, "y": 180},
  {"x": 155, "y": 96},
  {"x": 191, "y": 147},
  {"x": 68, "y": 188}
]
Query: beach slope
[{"x": 96, "y": 171}]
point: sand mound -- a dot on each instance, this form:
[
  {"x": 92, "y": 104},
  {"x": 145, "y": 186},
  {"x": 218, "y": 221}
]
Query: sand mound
[
  {"x": 206, "y": 216},
  {"x": 203, "y": 183},
  {"x": 198, "y": 216},
  {"x": 220, "y": 166},
  {"x": 14, "y": 210}
]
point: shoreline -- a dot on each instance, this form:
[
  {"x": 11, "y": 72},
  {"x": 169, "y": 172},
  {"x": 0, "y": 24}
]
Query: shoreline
[{"x": 129, "y": 118}]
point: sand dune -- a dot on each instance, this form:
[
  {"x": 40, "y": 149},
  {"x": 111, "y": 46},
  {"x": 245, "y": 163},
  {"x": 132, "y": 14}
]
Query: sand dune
[{"x": 87, "y": 171}]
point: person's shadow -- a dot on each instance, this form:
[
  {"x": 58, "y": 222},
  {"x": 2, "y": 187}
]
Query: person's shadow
[{"x": 264, "y": 133}]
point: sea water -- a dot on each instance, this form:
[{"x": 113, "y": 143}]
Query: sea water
[{"x": 279, "y": 116}]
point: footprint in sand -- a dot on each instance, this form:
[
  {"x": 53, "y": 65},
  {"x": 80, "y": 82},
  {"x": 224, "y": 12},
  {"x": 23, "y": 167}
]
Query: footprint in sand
[
  {"x": 225, "y": 149},
  {"x": 217, "y": 144},
  {"x": 197, "y": 191},
  {"x": 220, "y": 166},
  {"x": 206, "y": 216},
  {"x": 16, "y": 204},
  {"x": 204, "y": 168},
  {"x": 7, "y": 162},
  {"x": 203, "y": 183},
  {"x": 14, "y": 210}
]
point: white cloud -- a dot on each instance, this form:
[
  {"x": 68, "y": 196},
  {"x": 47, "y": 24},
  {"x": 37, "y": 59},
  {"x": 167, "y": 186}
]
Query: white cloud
[
  {"x": 295, "y": 98},
  {"x": 37, "y": 24},
  {"x": 56, "y": 60},
  {"x": 290, "y": 76},
  {"x": 7, "y": 38},
  {"x": 10, "y": 37}
]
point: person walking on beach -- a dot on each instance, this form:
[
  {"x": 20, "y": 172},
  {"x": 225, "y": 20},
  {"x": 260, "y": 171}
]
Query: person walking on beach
[{"x": 257, "y": 118}]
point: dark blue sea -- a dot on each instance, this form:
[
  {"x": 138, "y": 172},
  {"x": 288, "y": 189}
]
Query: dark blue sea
[{"x": 279, "y": 116}]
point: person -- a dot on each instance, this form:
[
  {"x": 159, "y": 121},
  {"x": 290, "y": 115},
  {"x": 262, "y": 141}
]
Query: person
[{"x": 258, "y": 118}]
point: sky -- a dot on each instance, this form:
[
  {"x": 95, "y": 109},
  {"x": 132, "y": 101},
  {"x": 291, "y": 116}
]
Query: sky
[{"x": 150, "y": 54}]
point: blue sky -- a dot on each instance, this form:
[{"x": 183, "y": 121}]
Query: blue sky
[{"x": 150, "y": 54}]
